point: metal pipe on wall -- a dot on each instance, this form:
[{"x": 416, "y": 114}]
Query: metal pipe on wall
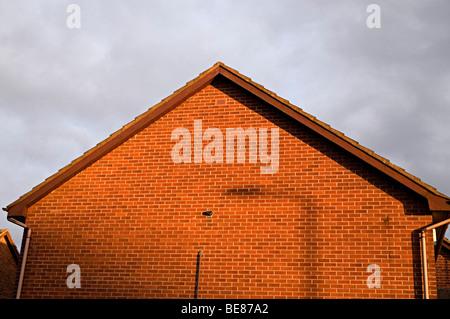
[
  {"x": 197, "y": 274},
  {"x": 424, "y": 253},
  {"x": 25, "y": 254},
  {"x": 425, "y": 265}
]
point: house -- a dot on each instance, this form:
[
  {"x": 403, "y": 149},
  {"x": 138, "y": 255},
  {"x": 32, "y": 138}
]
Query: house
[
  {"x": 443, "y": 270},
  {"x": 9, "y": 260},
  {"x": 226, "y": 190}
]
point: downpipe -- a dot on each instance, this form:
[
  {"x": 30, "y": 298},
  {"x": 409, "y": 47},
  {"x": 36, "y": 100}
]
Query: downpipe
[
  {"x": 25, "y": 254},
  {"x": 424, "y": 254},
  {"x": 424, "y": 264},
  {"x": 197, "y": 274}
]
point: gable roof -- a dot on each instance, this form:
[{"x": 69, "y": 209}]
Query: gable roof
[
  {"x": 4, "y": 233},
  {"x": 18, "y": 209},
  {"x": 446, "y": 244}
]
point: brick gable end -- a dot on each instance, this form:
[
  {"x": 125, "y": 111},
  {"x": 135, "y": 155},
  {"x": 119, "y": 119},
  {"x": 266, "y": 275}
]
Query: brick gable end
[{"x": 133, "y": 220}]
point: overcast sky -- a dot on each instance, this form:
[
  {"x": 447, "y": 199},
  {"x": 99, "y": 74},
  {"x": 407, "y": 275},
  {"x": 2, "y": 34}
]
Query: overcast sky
[{"x": 63, "y": 90}]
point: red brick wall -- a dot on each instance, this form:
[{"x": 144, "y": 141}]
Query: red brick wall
[
  {"x": 133, "y": 220},
  {"x": 443, "y": 269}
]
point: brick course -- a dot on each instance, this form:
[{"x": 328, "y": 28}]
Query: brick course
[
  {"x": 443, "y": 267},
  {"x": 132, "y": 221}
]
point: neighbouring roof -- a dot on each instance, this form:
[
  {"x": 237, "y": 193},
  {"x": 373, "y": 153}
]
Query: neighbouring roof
[
  {"x": 446, "y": 244},
  {"x": 4, "y": 233},
  {"x": 9, "y": 264}
]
